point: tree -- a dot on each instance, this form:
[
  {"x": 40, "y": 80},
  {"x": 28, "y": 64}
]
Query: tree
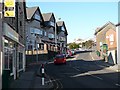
[{"x": 73, "y": 46}]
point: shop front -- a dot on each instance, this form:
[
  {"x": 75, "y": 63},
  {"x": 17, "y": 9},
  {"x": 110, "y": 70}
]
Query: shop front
[{"x": 13, "y": 56}]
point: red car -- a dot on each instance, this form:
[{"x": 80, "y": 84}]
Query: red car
[{"x": 60, "y": 58}]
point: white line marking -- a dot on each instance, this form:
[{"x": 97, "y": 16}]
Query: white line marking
[
  {"x": 95, "y": 76},
  {"x": 117, "y": 84},
  {"x": 92, "y": 56},
  {"x": 52, "y": 80},
  {"x": 76, "y": 69}
]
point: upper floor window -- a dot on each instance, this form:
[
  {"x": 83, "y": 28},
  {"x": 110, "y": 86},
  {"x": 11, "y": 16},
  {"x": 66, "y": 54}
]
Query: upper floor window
[
  {"x": 111, "y": 37},
  {"x": 50, "y": 35},
  {"x": 62, "y": 28},
  {"x": 36, "y": 31},
  {"x": 45, "y": 33},
  {"x": 36, "y": 16},
  {"x": 20, "y": 23}
]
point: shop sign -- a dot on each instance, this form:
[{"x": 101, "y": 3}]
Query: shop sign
[
  {"x": 9, "y": 8},
  {"x": 0, "y": 6},
  {"x": 9, "y": 32}
]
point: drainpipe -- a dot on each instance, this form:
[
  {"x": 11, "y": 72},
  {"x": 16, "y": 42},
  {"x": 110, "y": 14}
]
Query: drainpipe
[{"x": 1, "y": 48}]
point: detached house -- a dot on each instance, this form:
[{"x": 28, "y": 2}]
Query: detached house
[
  {"x": 62, "y": 36},
  {"x": 106, "y": 42}
]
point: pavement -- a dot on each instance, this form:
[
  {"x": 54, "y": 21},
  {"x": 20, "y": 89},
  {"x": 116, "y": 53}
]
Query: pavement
[
  {"x": 107, "y": 65},
  {"x": 104, "y": 64},
  {"x": 31, "y": 79}
]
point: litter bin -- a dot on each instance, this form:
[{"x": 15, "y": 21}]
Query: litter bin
[{"x": 6, "y": 78}]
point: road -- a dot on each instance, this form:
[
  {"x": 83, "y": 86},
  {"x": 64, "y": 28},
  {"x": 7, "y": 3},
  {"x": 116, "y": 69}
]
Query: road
[{"x": 82, "y": 72}]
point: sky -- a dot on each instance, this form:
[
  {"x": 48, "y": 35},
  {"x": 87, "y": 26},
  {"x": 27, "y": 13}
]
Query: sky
[{"x": 81, "y": 18}]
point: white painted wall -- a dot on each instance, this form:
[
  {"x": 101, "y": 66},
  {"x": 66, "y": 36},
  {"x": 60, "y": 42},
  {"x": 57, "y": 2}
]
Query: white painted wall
[
  {"x": 113, "y": 55},
  {"x": 118, "y": 45}
]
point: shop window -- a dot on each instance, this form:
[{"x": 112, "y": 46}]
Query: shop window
[{"x": 20, "y": 60}]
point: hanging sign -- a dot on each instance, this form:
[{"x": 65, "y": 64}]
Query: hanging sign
[{"x": 9, "y": 8}]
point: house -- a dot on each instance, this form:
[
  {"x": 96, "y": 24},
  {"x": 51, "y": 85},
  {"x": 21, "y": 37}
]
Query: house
[
  {"x": 62, "y": 36},
  {"x": 13, "y": 44},
  {"x": 36, "y": 36},
  {"x": 118, "y": 44},
  {"x": 49, "y": 37},
  {"x": 106, "y": 42}
]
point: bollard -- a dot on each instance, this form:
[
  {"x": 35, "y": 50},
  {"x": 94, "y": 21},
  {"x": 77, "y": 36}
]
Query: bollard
[{"x": 43, "y": 75}]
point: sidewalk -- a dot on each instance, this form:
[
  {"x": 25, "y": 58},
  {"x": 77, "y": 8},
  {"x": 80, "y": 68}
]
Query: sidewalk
[
  {"x": 30, "y": 80},
  {"x": 104, "y": 64}
]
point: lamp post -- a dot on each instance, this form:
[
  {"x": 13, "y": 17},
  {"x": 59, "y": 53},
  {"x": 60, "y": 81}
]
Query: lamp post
[
  {"x": 56, "y": 33},
  {"x": 36, "y": 48},
  {"x": 55, "y": 36}
]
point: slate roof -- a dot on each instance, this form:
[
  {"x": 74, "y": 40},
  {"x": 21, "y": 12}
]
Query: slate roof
[
  {"x": 47, "y": 16},
  {"x": 30, "y": 11},
  {"x": 61, "y": 23},
  {"x": 99, "y": 29}
]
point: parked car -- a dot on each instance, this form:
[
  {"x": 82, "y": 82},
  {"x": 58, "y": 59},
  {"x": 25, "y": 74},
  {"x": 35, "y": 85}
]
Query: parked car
[
  {"x": 60, "y": 58},
  {"x": 69, "y": 53},
  {"x": 73, "y": 52}
]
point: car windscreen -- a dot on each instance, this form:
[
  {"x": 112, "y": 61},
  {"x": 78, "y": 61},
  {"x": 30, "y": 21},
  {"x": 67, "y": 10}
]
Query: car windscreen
[{"x": 59, "y": 56}]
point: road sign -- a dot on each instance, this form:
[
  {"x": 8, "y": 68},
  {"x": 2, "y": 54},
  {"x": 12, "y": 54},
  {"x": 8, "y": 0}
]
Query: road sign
[{"x": 9, "y": 8}]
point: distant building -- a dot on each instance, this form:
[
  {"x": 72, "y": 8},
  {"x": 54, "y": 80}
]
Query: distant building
[
  {"x": 78, "y": 40},
  {"x": 106, "y": 42}
]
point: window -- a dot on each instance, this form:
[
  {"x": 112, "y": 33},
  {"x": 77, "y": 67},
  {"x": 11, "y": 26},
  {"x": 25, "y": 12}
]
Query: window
[
  {"x": 51, "y": 23},
  {"x": 50, "y": 35},
  {"x": 20, "y": 60},
  {"x": 20, "y": 23},
  {"x": 29, "y": 47},
  {"x": 111, "y": 38},
  {"x": 62, "y": 28},
  {"x": 41, "y": 46},
  {"x": 45, "y": 33},
  {"x": 36, "y": 31},
  {"x": 37, "y": 17}
]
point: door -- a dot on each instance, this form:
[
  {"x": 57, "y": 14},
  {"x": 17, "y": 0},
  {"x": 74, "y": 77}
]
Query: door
[{"x": 9, "y": 56}]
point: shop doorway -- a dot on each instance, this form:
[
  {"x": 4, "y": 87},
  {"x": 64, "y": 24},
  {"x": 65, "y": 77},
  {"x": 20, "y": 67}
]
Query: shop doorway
[{"x": 9, "y": 57}]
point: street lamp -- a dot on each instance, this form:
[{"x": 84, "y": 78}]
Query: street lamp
[
  {"x": 36, "y": 44},
  {"x": 56, "y": 33}
]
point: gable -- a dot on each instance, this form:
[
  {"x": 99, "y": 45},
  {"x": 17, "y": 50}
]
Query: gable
[
  {"x": 52, "y": 18},
  {"x": 37, "y": 15}
]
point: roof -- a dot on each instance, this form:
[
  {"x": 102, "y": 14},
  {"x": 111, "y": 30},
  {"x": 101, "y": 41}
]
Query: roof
[
  {"x": 60, "y": 23},
  {"x": 117, "y": 24},
  {"x": 99, "y": 29},
  {"x": 47, "y": 16},
  {"x": 30, "y": 11}
]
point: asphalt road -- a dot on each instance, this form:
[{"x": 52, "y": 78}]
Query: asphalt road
[{"x": 82, "y": 72}]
